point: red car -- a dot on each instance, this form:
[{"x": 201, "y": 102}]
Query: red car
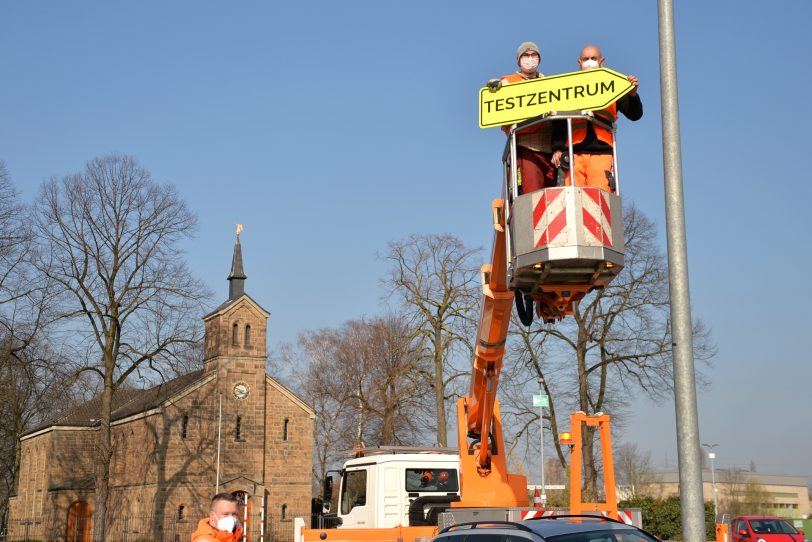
[{"x": 764, "y": 529}]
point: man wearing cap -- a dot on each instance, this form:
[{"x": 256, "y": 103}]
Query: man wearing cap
[
  {"x": 593, "y": 144},
  {"x": 534, "y": 145}
]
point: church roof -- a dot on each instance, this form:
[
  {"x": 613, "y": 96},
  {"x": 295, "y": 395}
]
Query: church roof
[
  {"x": 230, "y": 302},
  {"x": 236, "y": 279},
  {"x": 237, "y": 271},
  {"x": 126, "y": 402}
]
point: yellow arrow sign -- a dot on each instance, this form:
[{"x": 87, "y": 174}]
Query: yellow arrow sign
[{"x": 576, "y": 91}]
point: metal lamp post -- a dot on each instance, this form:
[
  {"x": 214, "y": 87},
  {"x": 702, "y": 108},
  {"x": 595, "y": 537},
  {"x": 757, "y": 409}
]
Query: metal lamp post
[
  {"x": 541, "y": 434},
  {"x": 692, "y": 502},
  {"x": 712, "y": 456}
]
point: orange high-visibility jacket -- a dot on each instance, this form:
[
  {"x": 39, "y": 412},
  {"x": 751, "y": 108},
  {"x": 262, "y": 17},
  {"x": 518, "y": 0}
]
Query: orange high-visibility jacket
[
  {"x": 608, "y": 115},
  {"x": 207, "y": 533},
  {"x": 517, "y": 77}
]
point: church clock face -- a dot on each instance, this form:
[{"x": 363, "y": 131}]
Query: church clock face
[{"x": 241, "y": 390}]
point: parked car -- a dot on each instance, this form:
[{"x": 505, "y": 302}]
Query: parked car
[
  {"x": 764, "y": 529},
  {"x": 547, "y": 529}
]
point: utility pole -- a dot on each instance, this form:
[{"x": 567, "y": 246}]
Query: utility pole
[{"x": 690, "y": 469}]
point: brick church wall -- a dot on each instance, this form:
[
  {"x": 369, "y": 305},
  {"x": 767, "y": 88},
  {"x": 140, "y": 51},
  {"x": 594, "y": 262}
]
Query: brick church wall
[
  {"x": 153, "y": 448},
  {"x": 71, "y": 456},
  {"x": 56, "y": 457},
  {"x": 32, "y": 480},
  {"x": 288, "y": 461}
]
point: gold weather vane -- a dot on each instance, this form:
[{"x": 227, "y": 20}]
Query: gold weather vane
[{"x": 240, "y": 227}]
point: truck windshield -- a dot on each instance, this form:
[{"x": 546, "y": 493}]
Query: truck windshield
[
  {"x": 772, "y": 526},
  {"x": 353, "y": 490},
  {"x": 427, "y": 480}
]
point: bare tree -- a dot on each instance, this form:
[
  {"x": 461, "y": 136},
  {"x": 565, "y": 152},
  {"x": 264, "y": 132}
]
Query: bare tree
[
  {"x": 393, "y": 354},
  {"x": 529, "y": 367},
  {"x": 371, "y": 396},
  {"x": 314, "y": 361},
  {"x": 112, "y": 236},
  {"x": 34, "y": 387},
  {"x": 15, "y": 235},
  {"x": 556, "y": 474},
  {"x": 617, "y": 345},
  {"x": 634, "y": 471},
  {"x": 742, "y": 495},
  {"x": 435, "y": 277},
  {"x": 32, "y": 383}
]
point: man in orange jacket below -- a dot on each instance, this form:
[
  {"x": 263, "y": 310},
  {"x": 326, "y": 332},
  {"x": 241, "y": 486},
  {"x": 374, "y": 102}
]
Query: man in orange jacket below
[
  {"x": 592, "y": 144},
  {"x": 533, "y": 146},
  {"x": 223, "y": 524}
]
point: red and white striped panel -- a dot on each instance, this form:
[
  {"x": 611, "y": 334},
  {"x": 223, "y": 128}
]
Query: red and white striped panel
[
  {"x": 622, "y": 515},
  {"x": 530, "y": 514},
  {"x": 597, "y": 216},
  {"x": 549, "y": 216}
]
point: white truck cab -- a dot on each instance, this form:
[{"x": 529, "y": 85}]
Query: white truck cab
[{"x": 391, "y": 486}]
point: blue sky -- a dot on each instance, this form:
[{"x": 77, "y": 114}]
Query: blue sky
[{"x": 331, "y": 128}]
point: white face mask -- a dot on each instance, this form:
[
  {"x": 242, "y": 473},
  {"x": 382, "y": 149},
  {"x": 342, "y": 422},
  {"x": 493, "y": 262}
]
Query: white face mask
[
  {"x": 589, "y": 64},
  {"x": 529, "y": 63},
  {"x": 227, "y": 523}
]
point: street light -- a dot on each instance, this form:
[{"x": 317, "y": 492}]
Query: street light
[{"x": 712, "y": 456}]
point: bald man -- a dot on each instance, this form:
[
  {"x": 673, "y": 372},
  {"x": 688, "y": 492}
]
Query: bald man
[
  {"x": 223, "y": 523},
  {"x": 593, "y": 144}
]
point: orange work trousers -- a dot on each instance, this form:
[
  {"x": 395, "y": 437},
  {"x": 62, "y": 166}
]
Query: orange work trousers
[{"x": 592, "y": 170}]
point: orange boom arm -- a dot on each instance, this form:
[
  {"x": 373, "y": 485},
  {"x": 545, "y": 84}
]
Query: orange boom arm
[{"x": 483, "y": 465}]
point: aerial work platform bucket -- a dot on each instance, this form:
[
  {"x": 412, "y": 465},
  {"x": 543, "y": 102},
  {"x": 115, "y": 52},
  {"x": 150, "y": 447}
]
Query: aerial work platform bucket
[
  {"x": 565, "y": 236},
  {"x": 564, "y": 241}
]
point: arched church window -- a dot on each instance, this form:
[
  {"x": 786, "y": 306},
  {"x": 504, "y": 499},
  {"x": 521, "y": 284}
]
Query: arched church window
[
  {"x": 184, "y": 427},
  {"x": 284, "y": 511},
  {"x": 238, "y": 428},
  {"x": 235, "y": 334},
  {"x": 285, "y": 428},
  {"x": 247, "y": 341}
]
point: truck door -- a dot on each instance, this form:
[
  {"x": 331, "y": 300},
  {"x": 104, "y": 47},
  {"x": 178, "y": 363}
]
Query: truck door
[
  {"x": 354, "y": 510},
  {"x": 393, "y": 497}
]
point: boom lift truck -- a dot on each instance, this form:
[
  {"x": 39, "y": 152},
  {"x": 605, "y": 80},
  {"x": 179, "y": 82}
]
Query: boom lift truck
[{"x": 550, "y": 248}]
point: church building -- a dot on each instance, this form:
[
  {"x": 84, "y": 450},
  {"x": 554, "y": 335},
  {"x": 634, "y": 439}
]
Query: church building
[{"x": 228, "y": 427}]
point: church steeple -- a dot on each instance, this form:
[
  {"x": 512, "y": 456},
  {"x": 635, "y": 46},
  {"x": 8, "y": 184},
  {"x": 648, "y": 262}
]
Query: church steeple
[
  {"x": 236, "y": 330},
  {"x": 236, "y": 279}
]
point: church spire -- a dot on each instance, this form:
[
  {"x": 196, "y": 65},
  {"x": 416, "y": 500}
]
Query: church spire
[{"x": 236, "y": 279}]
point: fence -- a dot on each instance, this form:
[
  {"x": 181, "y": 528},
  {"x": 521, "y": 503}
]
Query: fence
[{"x": 143, "y": 529}]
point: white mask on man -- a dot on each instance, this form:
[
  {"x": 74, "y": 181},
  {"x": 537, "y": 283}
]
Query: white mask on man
[
  {"x": 589, "y": 64},
  {"x": 529, "y": 63},
  {"x": 227, "y": 523}
]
